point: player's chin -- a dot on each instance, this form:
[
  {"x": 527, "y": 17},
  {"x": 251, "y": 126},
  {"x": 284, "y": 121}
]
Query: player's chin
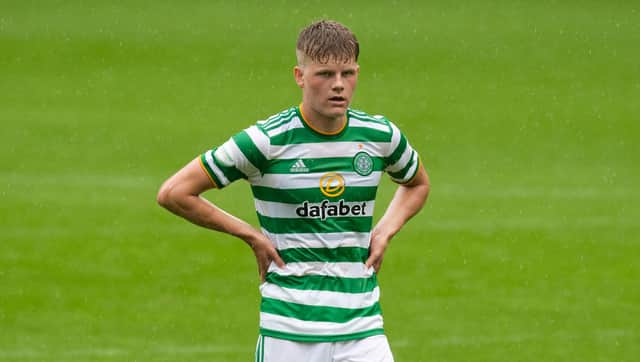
[
  {"x": 337, "y": 110},
  {"x": 336, "y": 114}
]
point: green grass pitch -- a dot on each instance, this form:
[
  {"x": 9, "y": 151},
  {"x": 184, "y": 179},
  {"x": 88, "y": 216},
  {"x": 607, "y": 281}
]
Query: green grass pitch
[{"x": 525, "y": 114}]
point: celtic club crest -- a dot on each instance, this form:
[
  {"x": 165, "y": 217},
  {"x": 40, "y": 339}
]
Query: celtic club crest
[{"x": 363, "y": 164}]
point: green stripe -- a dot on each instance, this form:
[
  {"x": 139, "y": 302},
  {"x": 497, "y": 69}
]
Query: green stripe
[
  {"x": 321, "y": 282},
  {"x": 400, "y": 175},
  {"x": 298, "y": 196},
  {"x": 351, "y": 134},
  {"x": 350, "y": 254},
  {"x": 337, "y": 164},
  {"x": 212, "y": 174},
  {"x": 316, "y": 313},
  {"x": 322, "y": 338},
  {"x": 329, "y": 225},
  {"x": 395, "y": 155},
  {"x": 250, "y": 150},
  {"x": 413, "y": 175}
]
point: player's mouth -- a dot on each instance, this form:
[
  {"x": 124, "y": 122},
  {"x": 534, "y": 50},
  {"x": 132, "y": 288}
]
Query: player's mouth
[{"x": 338, "y": 100}]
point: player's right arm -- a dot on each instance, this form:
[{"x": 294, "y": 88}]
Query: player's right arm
[{"x": 181, "y": 194}]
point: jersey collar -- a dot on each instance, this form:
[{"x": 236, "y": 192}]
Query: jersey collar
[{"x": 319, "y": 132}]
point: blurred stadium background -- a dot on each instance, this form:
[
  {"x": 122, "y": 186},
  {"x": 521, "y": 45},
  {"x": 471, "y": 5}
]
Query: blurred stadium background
[{"x": 525, "y": 113}]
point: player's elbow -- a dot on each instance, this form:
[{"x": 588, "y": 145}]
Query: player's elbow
[
  {"x": 165, "y": 197},
  {"x": 426, "y": 187}
]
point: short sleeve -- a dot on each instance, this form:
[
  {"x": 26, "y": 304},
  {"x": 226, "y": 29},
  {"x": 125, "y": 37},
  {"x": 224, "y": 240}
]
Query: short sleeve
[
  {"x": 402, "y": 160},
  {"x": 244, "y": 155}
]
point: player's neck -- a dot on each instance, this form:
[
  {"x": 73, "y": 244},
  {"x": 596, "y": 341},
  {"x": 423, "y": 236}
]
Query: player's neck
[{"x": 321, "y": 123}]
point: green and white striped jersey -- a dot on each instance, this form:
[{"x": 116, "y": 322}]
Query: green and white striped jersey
[{"x": 314, "y": 195}]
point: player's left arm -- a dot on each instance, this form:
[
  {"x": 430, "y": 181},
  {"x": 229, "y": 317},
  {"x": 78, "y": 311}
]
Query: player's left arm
[{"x": 407, "y": 201}]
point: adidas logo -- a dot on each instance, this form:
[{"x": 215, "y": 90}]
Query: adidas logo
[{"x": 299, "y": 166}]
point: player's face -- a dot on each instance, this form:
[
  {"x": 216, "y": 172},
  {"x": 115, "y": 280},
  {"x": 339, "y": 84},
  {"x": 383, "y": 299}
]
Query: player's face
[{"x": 327, "y": 88}]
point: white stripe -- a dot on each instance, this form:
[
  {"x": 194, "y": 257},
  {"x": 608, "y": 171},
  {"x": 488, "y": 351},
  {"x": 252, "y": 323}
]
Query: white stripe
[
  {"x": 279, "y": 121},
  {"x": 312, "y": 180},
  {"x": 411, "y": 170},
  {"x": 279, "y": 209},
  {"x": 395, "y": 139},
  {"x": 294, "y": 123},
  {"x": 402, "y": 161},
  {"x": 329, "y": 149},
  {"x": 241, "y": 162},
  {"x": 259, "y": 139},
  {"x": 320, "y": 297},
  {"x": 282, "y": 115},
  {"x": 296, "y": 326},
  {"x": 354, "y": 122},
  {"x": 366, "y": 115},
  {"x": 321, "y": 240},
  {"x": 342, "y": 270},
  {"x": 209, "y": 157}
]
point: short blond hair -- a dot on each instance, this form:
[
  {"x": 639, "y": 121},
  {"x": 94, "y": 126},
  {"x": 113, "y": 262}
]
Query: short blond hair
[{"x": 327, "y": 40}]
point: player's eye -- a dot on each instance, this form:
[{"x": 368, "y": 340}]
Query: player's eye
[
  {"x": 348, "y": 73},
  {"x": 325, "y": 74}
]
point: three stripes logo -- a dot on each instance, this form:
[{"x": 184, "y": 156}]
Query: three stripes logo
[{"x": 299, "y": 166}]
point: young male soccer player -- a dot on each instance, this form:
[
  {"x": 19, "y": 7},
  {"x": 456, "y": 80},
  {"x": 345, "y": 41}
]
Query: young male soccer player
[{"x": 314, "y": 171}]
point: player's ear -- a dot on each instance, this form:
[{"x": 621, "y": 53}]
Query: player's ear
[{"x": 298, "y": 74}]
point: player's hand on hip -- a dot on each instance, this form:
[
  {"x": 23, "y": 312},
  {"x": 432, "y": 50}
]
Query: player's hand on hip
[
  {"x": 377, "y": 247},
  {"x": 265, "y": 253}
]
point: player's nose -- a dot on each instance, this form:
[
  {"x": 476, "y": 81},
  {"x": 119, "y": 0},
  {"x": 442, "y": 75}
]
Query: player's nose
[{"x": 338, "y": 84}]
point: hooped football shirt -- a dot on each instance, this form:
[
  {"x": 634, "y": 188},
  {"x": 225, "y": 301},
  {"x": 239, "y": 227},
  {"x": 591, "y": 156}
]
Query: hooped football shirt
[{"x": 314, "y": 195}]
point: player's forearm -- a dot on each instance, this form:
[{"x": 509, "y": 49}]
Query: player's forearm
[
  {"x": 407, "y": 201},
  {"x": 180, "y": 194},
  {"x": 201, "y": 212}
]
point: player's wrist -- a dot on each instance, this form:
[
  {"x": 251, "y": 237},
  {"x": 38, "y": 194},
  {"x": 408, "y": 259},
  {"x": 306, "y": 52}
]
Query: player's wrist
[
  {"x": 246, "y": 233},
  {"x": 253, "y": 239},
  {"x": 383, "y": 233}
]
